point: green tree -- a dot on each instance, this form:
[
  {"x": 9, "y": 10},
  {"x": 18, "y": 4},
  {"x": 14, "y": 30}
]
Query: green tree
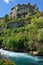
[
  {"x": 40, "y": 35},
  {"x": 6, "y": 18}
]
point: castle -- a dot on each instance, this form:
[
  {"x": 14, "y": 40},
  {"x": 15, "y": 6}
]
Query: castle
[{"x": 22, "y": 10}]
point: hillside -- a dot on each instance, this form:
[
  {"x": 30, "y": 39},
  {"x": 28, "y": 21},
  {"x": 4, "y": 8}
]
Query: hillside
[{"x": 22, "y": 34}]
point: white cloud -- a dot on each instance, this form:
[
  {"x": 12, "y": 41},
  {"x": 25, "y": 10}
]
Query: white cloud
[{"x": 7, "y": 1}]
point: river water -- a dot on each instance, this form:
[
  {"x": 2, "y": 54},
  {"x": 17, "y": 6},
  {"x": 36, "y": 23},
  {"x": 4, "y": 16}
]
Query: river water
[{"x": 22, "y": 58}]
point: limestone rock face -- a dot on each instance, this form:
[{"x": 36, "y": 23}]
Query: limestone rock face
[{"x": 15, "y": 24}]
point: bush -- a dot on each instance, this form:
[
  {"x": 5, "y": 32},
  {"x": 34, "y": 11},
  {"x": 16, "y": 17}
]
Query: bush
[
  {"x": 40, "y": 51},
  {"x": 6, "y": 62}
]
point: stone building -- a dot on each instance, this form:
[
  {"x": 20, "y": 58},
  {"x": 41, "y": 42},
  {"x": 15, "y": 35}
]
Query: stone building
[{"x": 19, "y": 11}]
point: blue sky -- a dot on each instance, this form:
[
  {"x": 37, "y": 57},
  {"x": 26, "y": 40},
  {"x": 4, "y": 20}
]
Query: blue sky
[{"x": 6, "y": 5}]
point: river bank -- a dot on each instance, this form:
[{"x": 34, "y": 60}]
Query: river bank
[{"x": 34, "y": 53}]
